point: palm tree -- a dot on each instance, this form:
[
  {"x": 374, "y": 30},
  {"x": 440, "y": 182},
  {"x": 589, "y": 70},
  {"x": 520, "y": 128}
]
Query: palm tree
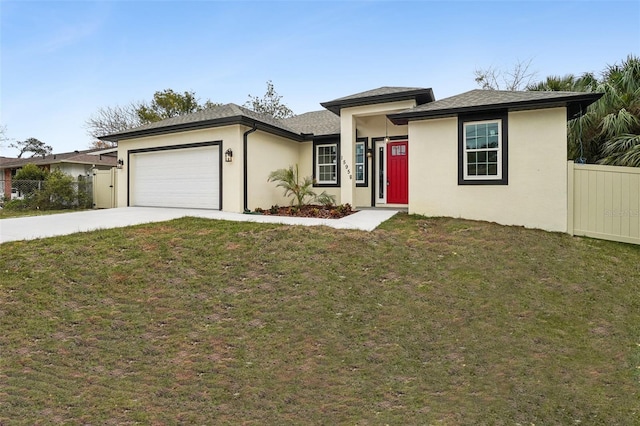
[
  {"x": 608, "y": 132},
  {"x": 301, "y": 189}
]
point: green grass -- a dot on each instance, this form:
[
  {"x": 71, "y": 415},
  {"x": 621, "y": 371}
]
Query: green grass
[
  {"x": 423, "y": 321},
  {"x": 9, "y": 213}
]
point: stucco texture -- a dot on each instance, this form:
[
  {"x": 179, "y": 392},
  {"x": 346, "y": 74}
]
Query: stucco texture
[{"x": 536, "y": 194}]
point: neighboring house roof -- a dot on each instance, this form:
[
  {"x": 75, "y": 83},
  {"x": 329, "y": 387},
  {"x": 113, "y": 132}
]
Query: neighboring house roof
[
  {"x": 76, "y": 157},
  {"x": 223, "y": 115},
  {"x": 319, "y": 123},
  {"x": 493, "y": 100},
  {"x": 4, "y": 160},
  {"x": 380, "y": 95}
]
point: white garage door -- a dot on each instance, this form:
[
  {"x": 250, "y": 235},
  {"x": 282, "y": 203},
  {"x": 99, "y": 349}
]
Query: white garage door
[{"x": 180, "y": 177}]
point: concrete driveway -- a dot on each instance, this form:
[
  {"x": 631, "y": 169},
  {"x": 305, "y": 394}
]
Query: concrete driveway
[{"x": 33, "y": 227}]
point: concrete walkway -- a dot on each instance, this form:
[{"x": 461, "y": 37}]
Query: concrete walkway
[{"x": 33, "y": 227}]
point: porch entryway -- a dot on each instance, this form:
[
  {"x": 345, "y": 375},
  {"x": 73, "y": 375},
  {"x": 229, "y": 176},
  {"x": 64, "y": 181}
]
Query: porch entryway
[{"x": 391, "y": 171}]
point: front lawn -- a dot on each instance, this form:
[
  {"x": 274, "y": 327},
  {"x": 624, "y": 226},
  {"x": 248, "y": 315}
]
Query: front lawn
[{"x": 423, "y": 321}]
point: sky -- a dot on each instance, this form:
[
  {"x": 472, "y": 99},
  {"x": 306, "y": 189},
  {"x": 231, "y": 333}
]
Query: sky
[{"x": 61, "y": 61}]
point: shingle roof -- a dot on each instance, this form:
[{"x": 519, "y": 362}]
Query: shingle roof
[
  {"x": 320, "y": 123},
  {"x": 491, "y": 100},
  {"x": 380, "y": 95},
  {"x": 77, "y": 157},
  {"x": 211, "y": 117}
]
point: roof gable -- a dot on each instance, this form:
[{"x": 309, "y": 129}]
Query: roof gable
[{"x": 380, "y": 95}]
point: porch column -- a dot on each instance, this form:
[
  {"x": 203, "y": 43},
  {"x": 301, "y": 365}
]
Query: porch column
[{"x": 346, "y": 159}]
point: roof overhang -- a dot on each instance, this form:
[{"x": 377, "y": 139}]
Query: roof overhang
[
  {"x": 205, "y": 124},
  {"x": 575, "y": 104}
]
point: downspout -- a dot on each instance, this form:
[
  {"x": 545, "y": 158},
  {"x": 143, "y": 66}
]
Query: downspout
[{"x": 245, "y": 138}]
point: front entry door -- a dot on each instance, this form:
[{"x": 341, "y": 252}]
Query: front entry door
[{"x": 397, "y": 172}]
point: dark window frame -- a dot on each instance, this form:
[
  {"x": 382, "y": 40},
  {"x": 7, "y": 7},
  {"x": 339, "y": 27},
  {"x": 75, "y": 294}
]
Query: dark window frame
[
  {"x": 316, "y": 144},
  {"x": 504, "y": 149},
  {"x": 364, "y": 184}
]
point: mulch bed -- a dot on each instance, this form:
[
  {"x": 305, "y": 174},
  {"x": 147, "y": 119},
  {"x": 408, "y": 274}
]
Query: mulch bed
[{"x": 325, "y": 212}]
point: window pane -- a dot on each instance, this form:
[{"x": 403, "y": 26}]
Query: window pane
[
  {"x": 482, "y": 142},
  {"x": 471, "y": 169},
  {"x": 471, "y": 157},
  {"x": 493, "y": 156},
  {"x": 482, "y": 157},
  {"x": 482, "y": 170},
  {"x": 471, "y": 143},
  {"x": 359, "y": 172},
  {"x": 493, "y": 169},
  {"x": 471, "y": 131}
]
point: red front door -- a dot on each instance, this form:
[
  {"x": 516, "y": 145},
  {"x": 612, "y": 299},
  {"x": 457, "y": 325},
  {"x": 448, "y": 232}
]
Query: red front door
[{"x": 397, "y": 173}]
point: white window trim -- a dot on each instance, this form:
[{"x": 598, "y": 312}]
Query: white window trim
[
  {"x": 465, "y": 175},
  {"x": 318, "y": 164},
  {"x": 364, "y": 162}
]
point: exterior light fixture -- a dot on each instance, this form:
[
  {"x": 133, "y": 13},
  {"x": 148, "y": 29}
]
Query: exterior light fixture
[
  {"x": 120, "y": 163},
  {"x": 369, "y": 152},
  {"x": 228, "y": 155}
]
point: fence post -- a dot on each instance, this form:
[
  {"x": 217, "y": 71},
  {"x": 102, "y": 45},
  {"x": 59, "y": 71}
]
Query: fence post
[{"x": 570, "y": 200}]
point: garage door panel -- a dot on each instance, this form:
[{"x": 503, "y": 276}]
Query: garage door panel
[{"x": 185, "y": 177}]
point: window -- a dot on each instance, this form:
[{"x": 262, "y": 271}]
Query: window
[
  {"x": 360, "y": 166},
  {"x": 326, "y": 167},
  {"x": 482, "y": 151}
]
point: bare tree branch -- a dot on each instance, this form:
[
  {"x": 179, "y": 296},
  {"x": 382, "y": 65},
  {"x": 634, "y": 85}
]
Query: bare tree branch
[{"x": 518, "y": 78}]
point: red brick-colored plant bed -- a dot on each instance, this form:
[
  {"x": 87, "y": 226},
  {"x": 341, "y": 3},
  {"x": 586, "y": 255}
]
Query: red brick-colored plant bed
[{"x": 328, "y": 212}]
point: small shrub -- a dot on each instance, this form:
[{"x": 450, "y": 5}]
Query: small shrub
[
  {"x": 17, "y": 204},
  {"x": 274, "y": 209}
]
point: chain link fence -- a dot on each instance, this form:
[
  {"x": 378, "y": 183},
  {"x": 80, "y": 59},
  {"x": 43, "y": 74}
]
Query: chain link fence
[{"x": 48, "y": 194}]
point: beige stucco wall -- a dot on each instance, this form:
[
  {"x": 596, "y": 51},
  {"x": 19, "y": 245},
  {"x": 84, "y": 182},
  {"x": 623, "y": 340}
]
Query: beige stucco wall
[
  {"x": 267, "y": 153},
  {"x": 536, "y": 195}
]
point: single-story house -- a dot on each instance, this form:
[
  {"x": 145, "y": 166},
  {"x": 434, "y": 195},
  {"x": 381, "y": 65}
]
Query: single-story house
[
  {"x": 497, "y": 156},
  {"x": 76, "y": 163}
]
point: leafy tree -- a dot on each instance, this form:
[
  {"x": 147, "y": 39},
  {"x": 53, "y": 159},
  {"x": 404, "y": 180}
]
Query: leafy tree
[
  {"x": 32, "y": 145},
  {"x": 31, "y": 172},
  {"x": 168, "y": 104},
  {"x": 301, "y": 189},
  {"x": 609, "y": 130},
  {"x": 515, "y": 79},
  {"x": 269, "y": 104}
]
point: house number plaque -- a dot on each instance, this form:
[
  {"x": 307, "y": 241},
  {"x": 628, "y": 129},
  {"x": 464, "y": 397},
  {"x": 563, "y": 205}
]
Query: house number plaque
[{"x": 346, "y": 167}]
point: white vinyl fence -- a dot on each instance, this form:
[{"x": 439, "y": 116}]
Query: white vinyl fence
[{"x": 604, "y": 202}]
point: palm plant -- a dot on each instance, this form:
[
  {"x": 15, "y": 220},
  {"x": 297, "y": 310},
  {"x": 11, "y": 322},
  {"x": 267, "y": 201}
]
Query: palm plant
[
  {"x": 608, "y": 132},
  {"x": 289, "y": 180}
]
